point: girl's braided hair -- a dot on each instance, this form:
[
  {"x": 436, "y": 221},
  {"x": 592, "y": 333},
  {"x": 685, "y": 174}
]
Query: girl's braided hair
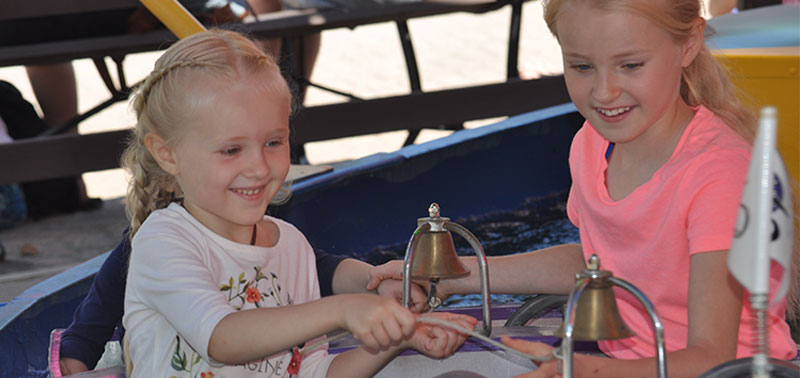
[{"x": 162, "y": 104}]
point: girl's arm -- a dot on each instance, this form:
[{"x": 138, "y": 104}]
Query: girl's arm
[
  {"x": 351, "y": 276},
  {"x": 98, "y": 314},
  {"x": 715, "y": 306},
  {"x": 546, "y": 271},
  {"x": 381, "y": 324},
  {"x": 433, "y": 341},
  {"x": 247, "y": 335}
]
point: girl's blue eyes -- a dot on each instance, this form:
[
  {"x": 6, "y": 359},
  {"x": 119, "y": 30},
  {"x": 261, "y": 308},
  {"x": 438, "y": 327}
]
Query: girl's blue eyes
[
  {"x": 230, "y": 151},
  {"x": 587, "y": 67}
]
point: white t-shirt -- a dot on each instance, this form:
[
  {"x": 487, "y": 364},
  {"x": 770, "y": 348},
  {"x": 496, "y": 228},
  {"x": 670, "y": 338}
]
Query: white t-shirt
[{"x": 183, "y": 279}]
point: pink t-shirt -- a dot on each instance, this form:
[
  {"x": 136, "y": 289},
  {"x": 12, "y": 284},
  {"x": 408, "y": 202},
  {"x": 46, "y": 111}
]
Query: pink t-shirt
[{"x": 647, "y": 238}]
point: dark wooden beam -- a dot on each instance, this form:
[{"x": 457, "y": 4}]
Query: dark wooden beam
[
  {"x": 60, "y": 156},
  {"x": 284, "y": 23},
  {"x": 66, "y": 155},
  {"x": 427, "y": 109}
]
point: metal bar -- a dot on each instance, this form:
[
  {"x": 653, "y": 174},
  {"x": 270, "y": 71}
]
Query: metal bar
[
  {"x": 102, "y": 69},
  {"x": 411, "y": 67},
  {"x": 408, "y": 53},
  {"x": 658, "y": 327},
  {"x": 512, "y": 64}
]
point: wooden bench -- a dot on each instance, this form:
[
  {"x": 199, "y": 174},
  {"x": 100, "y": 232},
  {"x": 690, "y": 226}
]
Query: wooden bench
[{"x": 62, "y": 155}]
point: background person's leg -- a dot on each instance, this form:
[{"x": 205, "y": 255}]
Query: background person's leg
[{"x": 56, "y": 92}]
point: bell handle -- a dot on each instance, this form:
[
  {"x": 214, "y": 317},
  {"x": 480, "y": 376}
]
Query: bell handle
[
  {"x": 658, "y": 327},
  {"x": 407, "y": 261},
  {"x": 483, "y": 266},
  {"x": 569, "y": 326}
]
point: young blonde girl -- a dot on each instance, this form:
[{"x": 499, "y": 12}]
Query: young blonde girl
[
  {"x": 657, "y": 175},
  {"x": 215, "y": 288}
]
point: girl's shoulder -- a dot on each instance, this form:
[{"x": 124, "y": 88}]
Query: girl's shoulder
[
  {"x": 288, "y": 231},
  {"x": 710, "y": 152},
  {"x": 173, "y": 223},
  {"x": 709, "y": 138},
  {"x": 706, "y": 131},
  {"x": 169, "y": 218},
  {"x": 587, "y": 141}
]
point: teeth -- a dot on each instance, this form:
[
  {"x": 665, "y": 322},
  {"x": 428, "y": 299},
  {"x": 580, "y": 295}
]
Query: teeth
[
  {"x": 247, "y": 192},
  {"x": 614, "y": 112}
]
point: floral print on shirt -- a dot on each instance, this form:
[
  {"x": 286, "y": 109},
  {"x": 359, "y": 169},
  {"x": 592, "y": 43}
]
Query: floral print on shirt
[{"x": 242, "y": 293}]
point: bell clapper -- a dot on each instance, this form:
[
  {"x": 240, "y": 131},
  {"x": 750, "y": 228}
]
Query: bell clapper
[{"x": 433, "y": 299}]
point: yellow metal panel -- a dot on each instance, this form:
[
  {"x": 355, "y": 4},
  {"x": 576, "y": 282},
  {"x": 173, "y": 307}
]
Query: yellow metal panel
[{"x": 771, "y": 76}]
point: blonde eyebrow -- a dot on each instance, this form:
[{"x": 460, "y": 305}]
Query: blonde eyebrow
[{"x": 624, "y": 54}]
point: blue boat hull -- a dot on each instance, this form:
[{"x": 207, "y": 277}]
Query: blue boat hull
[{"x": 355, "y": 207}]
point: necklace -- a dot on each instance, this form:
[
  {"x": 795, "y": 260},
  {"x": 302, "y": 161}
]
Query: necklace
[{"x": 253, "y": 238}]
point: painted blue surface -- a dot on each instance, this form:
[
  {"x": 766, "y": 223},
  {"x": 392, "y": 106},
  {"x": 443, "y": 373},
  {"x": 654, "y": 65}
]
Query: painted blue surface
[
  {"x": 773, "y": 26},
  {"x": 26, "y": 321},
  {"x": 357, "y": 206},
  {"x": 493, "y": 168}
]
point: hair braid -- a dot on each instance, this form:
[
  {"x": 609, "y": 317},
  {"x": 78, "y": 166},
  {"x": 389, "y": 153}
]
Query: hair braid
[
  {"x": 150, "y": 188},
  {"x": 157, "y": 75}
]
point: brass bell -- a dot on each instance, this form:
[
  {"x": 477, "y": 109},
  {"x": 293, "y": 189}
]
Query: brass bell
[
  {"x": 436, "y": 257},
  {"x": 431, "y": 255},
  {"x": 596, "y": 314}
]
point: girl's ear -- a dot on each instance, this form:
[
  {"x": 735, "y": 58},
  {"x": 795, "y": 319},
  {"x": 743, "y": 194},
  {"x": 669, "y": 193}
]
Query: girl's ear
[
  {"x": 161, "y": 152},
  {"x": 694, "y": 43}
]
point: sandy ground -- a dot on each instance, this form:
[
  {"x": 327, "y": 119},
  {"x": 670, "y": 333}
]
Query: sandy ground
[{"x": 453, "y": 51}]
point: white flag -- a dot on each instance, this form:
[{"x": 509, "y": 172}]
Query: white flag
[{"x": 764, "y": 227}]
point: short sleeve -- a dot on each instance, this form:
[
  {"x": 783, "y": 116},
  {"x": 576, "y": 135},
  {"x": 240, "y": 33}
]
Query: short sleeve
[
  {"x": 326, "y": 268},
  {"x": 168, "y": 276},
  {"x": 714, "y": 197}
]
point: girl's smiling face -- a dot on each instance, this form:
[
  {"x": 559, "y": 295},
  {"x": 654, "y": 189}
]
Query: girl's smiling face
[
  {"x": 622, "y": 71},
  {"x": 234, "y": 155}
]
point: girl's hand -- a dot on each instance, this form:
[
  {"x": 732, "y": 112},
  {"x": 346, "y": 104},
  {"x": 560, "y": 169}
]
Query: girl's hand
[
  {"x": 546, "y": 369},
  {"x": 394, "y": 289},
  {"x": 378, "y": 322},
  {"x": 392, "y": 270},
  {"x": 437, "y": 341}
]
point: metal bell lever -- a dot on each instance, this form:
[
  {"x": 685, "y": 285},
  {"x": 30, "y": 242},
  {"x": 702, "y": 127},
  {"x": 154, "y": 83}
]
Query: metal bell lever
[{"x": 431, "y": 255}]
